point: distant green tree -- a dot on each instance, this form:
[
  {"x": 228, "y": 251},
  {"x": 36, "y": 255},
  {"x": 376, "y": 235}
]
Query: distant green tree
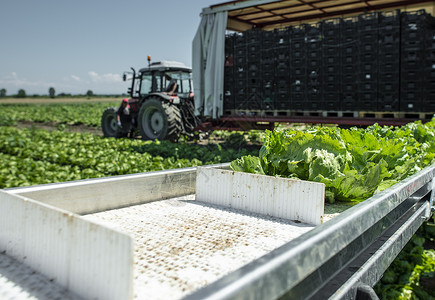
[
  {"x": 89, "y": 93},
  {"x": 51, "y": 92},
  {"x": 21, "y": 94},
  {"x": 3, "y": 93}
]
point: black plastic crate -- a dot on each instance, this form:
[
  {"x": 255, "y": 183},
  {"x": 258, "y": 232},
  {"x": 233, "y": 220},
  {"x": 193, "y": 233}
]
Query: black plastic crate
[
  {"x": 297, "y": 88},
  {"x": 411, "y": 101},
  {"x": 410, "y": 65},
  {"x": 350, "y": 48},
  {"x": 253, "y": 71},
  {"x": 282, "y": 69},
  {"x": 349, "y": 59},
  {"x": 229, "y": 102},
  {"x": 411, "y": 35},
  {"x": 349, "y": 102},
  {"x": 331, "y": 78},
  {"x": 370, "y": 67},
  {"x": 314, "y": 64},
  {"x": 349, "y": 26},
  {"x": 368, "y": 100},
  {"x": 368, "y": 36},
  {"x": 331, "y": 27},
  {"x": 297, "y": 32},
  {"x": 298, "y": 45},
  {"x": 429, "y": 72},
  {"x": 314, "y": 54},
  {"x": 239, "y": 39},
  {"x": 386, "y": 66},
  {"x": 368, "y": 21},
  {"x": 282, "y": 53},
  {"x": 282, "y": 102},
  {"x": 298, "y": 63},
  {"x": 331, "y": 86},
  {"x": 313, "y": 30},
  {"x": 267, "y": 54},
  {"x": 298, "y": 72},
  {"x": 389, "y": 18},
  {"x": 331, "y": 97},
  {"x": 391, "y": 104},
  {"x": 388, "y": 56},
  {"x": 331, "y": 69},
  {"x": 349, "y": 87},
  {"x": 314, "y": 45},
  {"x": 411, "y": 85},
  {"x": 267, "y": 37},
  {"x": 368, "y": 47},
  {"x": 386, "y": 36},
  {"x": 331, "y": 50},
  {"x": 240, "y": 74},
  {"x": 368, "y": 76},
  {"x": 388, "y": 87},
  {"x": 429, "y": 85},
  {"x": 299, "y": 97},
  {"x": 349, "y": 69},
  {"x": 282, "y": 37},
  {"x": 368, "y": 86},
  {"x": 388, "y": 77},
  {"x": 331, "y": 60},
  {"x": 298, "y": 105},
  {"x": 240, "y": 83},
  {"x": 253, "y": 57},
  {"x": 240, "y": 59},
  {"x": 411, "y": 75},
  {"x": 253, "y": 36},
  {"x": 367, "y": 57},
  {"x": 298, "y": 54},
  {"x": 417, "y": 17}
]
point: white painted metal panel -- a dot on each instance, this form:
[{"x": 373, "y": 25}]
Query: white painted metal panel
[
  {"x": 280, "y": 197},
  {"x": 93, "y": 261},
  {"x": 92, "y": 195}
]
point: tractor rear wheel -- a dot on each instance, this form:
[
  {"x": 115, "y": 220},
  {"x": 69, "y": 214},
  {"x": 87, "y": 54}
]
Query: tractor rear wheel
[
  {"x": 159, "y": 120},
  {"x": 108, "y": 122}
]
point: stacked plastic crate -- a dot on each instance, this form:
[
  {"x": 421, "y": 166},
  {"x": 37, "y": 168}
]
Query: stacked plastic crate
[
  {"x": 282, "y": 67},
  {"x": 314, "y": 41},
  {"x": 349, "y": 63},
  {"x": 429, "y": 67},
  {"x": 239, "y": 71},
  {"x": 298, "y": 68},
  {"x": 331, "y": 67},
  {"x": 412, "y": 60},
  {"x": 254, "y": 91},
  {"x": 229, "y": 73},
  {"x": 268, "y": 69},
  {"x": 368, "y": 61},
  {"x": 389, "y": 61}
]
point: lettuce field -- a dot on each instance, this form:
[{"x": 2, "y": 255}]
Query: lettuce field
[{"x": 353, "y": 164}]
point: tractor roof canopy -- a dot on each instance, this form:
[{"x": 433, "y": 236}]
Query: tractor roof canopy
[{"x": 165, "y": 65}]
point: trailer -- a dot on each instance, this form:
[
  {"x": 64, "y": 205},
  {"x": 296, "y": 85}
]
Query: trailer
[
  {"x": 201, "y": 233},
  {"x": 257, "y": 63}
]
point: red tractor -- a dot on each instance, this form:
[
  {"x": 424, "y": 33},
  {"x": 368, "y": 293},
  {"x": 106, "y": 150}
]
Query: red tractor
[{"x": 161, "y": 104}]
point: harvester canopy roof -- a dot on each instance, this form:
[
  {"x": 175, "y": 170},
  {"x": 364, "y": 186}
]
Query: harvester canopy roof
[{"x": 270, "y": 14}]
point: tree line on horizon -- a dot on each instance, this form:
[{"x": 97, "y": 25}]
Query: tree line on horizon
[{"x": 51, "y": 94}]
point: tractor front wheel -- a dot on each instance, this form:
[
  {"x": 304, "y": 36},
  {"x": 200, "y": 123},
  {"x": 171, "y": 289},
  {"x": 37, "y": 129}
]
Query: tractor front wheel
[
  {"x": 108, "y": 122},
  {"x": 159, "y": 120}
]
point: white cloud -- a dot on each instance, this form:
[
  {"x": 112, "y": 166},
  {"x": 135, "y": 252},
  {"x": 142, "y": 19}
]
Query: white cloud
[
  {"x": 76, "y": 78},
  {"x": 105, "y": 78}
]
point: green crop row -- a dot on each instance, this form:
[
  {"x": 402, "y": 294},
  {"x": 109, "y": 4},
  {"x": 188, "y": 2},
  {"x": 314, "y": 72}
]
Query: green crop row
[
  {"x": 27, "y": 152},
  {"x": 73, "y": 114}
]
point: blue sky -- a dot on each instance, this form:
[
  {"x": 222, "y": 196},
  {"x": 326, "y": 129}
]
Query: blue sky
[{"x": 81, "y": 45}]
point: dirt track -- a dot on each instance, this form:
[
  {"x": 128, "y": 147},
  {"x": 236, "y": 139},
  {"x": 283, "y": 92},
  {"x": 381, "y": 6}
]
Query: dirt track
[{"x": 54, "y": 126}]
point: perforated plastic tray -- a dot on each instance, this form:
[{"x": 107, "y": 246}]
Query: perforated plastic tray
[{"x": 182, "y": 245}]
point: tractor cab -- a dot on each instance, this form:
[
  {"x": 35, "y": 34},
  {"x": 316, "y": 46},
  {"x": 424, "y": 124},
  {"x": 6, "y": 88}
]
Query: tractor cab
[{"x": 163, "y": 92}]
